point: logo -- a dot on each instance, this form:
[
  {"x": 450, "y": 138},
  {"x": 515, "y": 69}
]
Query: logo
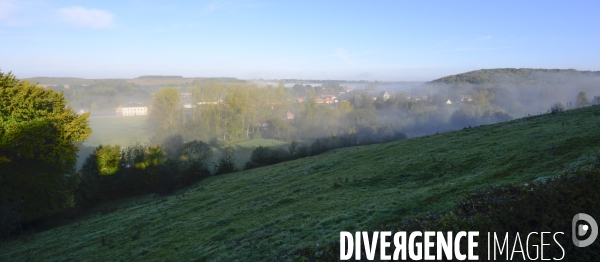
[{"x": 580, "y": 230}]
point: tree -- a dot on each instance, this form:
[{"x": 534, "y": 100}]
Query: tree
[
  {"x": 39, "y": 138},
  {"x": 556, "y": 108},
  {"x": 582, "y": 100},
  {"x": 165, "y": 112},
  {"x": 195, "y": 153},
  {"x": 261, "y": 156},
  {"x": 482, "y": 98},
  {"x": 226, "y": 162},
  {"x": 343, "y": 108},
  {"x": 193, "y": 161},
  {"x": 108, "y": 159},
  {"x": 281, "y": 129}
]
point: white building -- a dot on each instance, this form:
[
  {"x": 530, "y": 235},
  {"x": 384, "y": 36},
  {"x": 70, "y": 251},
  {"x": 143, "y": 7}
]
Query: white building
[{"x": 132, "y": 109}]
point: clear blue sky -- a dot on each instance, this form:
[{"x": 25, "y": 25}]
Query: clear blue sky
[{"x": 354, "y": 40}]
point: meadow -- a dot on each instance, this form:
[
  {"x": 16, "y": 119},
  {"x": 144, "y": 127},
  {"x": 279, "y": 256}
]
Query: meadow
[
  {"x": 122, "y": 131},
  {"x": 270, "y": 213}
]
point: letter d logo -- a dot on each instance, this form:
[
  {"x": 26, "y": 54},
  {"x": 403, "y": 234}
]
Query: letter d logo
[{"x": 581, "y": 230}]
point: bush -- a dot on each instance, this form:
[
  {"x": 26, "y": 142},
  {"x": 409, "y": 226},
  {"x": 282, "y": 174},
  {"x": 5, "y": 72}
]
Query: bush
[
  {"x": 302, "y": 151},
  {"x": 194, "y": 153},
  {"x": 226, "y": 162},
  {"x": 264, "y": 156},
  {"x": 556, "y": 108}
]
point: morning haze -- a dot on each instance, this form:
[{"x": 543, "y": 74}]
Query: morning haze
[{"x": 258, "y": 131}]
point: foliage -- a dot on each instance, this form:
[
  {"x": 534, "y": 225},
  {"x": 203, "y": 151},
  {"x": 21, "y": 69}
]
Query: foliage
[
  {"x": 195, "y": 152},
  {"x": 264, "y": 156},
  {"x": 556, "y": 108},
  {"x": 165, "y": 112},
  {"x": 261, "y": 156},
  {"x": 281, "y": 129},
  {"x": 38, "y": 146},
  {"x": 582, "y": 100},
  {"x": 512, "y": 75},
  {"x": 108, "y": 159},
  {"x": 226, "y": 162},
  {"x": 113, "y": 173}
]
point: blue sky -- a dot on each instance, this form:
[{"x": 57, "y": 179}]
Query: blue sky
[{"x": 353, "y": 40}]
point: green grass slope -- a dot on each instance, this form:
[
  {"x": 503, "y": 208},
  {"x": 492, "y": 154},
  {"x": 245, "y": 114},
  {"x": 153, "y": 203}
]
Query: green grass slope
[{"x": 268, "y": 214}]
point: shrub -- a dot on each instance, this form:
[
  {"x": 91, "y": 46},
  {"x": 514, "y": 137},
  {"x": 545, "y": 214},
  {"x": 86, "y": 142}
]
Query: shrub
[
  {"x": 194, "y": 153},
  {"x": 556, "y": 108},
  {"x": 226, "y": 162},
  {"x": 302, "y": 151},
  {"x": 292, "y": 147},
  {"x": 264, "y": 156},
  {"x": 260, "y": 156}
]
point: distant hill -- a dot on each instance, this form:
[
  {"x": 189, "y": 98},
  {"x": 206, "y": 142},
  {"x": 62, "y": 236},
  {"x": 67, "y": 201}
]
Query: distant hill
[
  {"x": 157, "y": 76},
  {"x": 270, "y": 213},
  {"x": 514, "y": 76},
  {"x": 60, "y": 80}
]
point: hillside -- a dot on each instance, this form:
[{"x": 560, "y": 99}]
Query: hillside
[
  {"x": 270, "y": 213},
  {"x": 515, "y": 76}
]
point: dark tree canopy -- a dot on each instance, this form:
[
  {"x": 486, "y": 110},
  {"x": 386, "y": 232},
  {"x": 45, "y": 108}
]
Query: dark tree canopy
[{"x": 38, "y": 146}]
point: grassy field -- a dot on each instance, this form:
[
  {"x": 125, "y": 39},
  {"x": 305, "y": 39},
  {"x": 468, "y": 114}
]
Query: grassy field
[
  {"x": 122, "y": 131},
  {"x": 269, "y": 213}
]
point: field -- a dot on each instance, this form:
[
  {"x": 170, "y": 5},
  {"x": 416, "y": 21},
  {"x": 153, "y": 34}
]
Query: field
[
  {"x": 122, "y": 131},
  {"x": 268, "y": 214}
]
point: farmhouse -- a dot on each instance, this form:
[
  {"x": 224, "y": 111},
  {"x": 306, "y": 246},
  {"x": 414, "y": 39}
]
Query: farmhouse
[{"x": 132, "y": 109}]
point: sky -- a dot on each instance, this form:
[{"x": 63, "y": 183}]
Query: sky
[{"x": 349, "y": 40}]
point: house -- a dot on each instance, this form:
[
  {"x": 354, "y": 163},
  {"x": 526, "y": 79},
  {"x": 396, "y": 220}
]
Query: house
[
  {"x": 132, "y": 109},
  {"x": 448, "y": 102},
  {"x": 385, "y": 95},
  {"x": 299, "y": 100}
]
